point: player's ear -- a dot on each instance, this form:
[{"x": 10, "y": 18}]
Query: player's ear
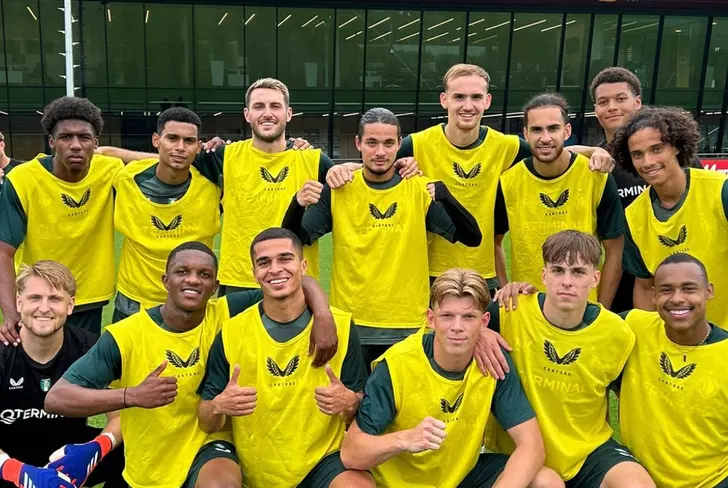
[
  {"x": 567, "y": 129},
  {"x": 443, "y": 100},
  {"x": 597, "y": 277},
  {"x": 165, "y": 281},
  {"x": 543, "y": 275},
  {"x": 246, "y": 114},
  {"x": 71, "y": 305},
  {"x": 289, "y": 114},
  {"x": 357, "y": 141},
  {"x": 215, "y": 287},
  {"x": 155, "y": 140},
  {"x": 430, "y": 319},
  {"x": 304, "y": 266},
  {"x": 710, "y": 292}
]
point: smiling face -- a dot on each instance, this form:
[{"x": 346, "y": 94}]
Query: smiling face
[
  {"x": 278, "y": 267},
  {"x": 568, "y": 285},
  {"x": 546, "y": 132},
  {"x": 615, "y": 105},
  {"x": 43, "y": 309},
  {"x": 267, "y": 113},
  {"x": 681, "y": 295},
  {"x": 655, "y": 161},
  {"x": 177, "y": 144},
  {"x": 465, "y": 99},
  {"x": 191, "y": 279}
]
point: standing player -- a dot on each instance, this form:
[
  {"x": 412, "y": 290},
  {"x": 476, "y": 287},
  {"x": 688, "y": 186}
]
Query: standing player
[
  {"x": 293, "y": 437},
  {"x": 6, "y": 163},
  {"x": 158, "y": 408},
  {"x": 379, "y": 223},
  {"x": 423, "y": 416},
  {"x": 49, "y": 347},
  {"x": 469, "y": 159},
  {"x": 673, "y": 392},
  {"x": 61, "y": 208},
  {"x": 555, "y": 190},
  {"x": 684, "y": 209},
  {"x": 568, "y": 351},
  {"x": 161, "y": 203}
]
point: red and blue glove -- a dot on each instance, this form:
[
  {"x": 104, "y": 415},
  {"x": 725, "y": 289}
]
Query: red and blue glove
[
  {"x": 27, "y": 476},
  {"x": 79, "y": 460}
]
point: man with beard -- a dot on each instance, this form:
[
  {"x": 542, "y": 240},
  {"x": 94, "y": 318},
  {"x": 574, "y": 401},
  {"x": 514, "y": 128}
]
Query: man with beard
[
  {"x": 379, "y": 224},
  {"x": 555, "y": 190},
  {"x": 49, "y": 347},
  {"x": 60, "y": 208},
  {"x": 677, "y": 366},
  {"x": 158, "y": 408},
  {"x": 683, "y": 210}
]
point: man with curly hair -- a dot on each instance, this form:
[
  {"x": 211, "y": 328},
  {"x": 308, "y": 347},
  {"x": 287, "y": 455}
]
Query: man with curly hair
[
  {"x": 60, "y": 208},
  {"x": 684, "y": 210}
]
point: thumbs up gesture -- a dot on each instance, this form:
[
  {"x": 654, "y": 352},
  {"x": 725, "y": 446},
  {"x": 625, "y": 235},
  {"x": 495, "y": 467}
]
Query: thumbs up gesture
[
  {"x": 155, "y": 391},
  {"x": 235, "y": 400},
  {"x": 334, "y": 398}
]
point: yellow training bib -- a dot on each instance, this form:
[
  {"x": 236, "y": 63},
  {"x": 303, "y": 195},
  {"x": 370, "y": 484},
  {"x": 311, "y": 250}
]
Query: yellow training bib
[
  {"x": 72, "y": 223},
  {"x": 259, "y": 188},
  {"x": 538, "y": 208},
  {"x": 471, "y": 175},
  {"x": 565, "y": 375},
  {"x": 379, "y": 269},
  {"x": 287, "y": 435},
  {"x": 161, "y": 443},
  {"x": 419, "y": 392},
  {"x": 151, "y": 230},
  {"x": 672, "y": 408},
  {"x": 698, "y": 228}
]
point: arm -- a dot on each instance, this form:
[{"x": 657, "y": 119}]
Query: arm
[
  {"x": 611, "y": 229},
  {"x": 362, "y": 451},
  {"x": 449, "y": 219},
  {"x": 611, "y": 271},
  {"x": 501, "y": 269},
  {"x": 309, "y": 223},
  {"x": 527, "y": 459},
  {"x": 633, "y": 263},
  {"x": 324, "y": 341},
  {"x": 599, "y": 159},
  {"x": 125, "y": 155},
  {"x": 500, "y": 227},
  {"x": 11, "y": 317},
  {"x": 642, "y": 294}
]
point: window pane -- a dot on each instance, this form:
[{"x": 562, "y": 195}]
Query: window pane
[
  {"x": 28, "y": 139},
  {"x": 305, "y": 47},
  {"x": 344, "y": 131},
  {"x": 313, "y": 128},
  {"x": 219, "y": 58},
  {"x": 443, "y": 46},
  {"x": 260, "y": 43},
  {"x": 93, "y": 25},
  {"x": 22, "y": 38},
  {"x": 638, "y": 47},
  {"x": 574, "y": 63},
  {"x": 393, "y": 45},
  {"x": 349, "y": 80},
  {"x": 681, "y": 58},
  {"x": 533, "y": 70},
  {"x": 54, "y": 44},
  {"x": 488, "y": 47},
  {"x": 125, "y": 35},
  {"x": 169, "y": 46},
  {"x": 603, "y": 43},
  {"x": 715, "y": 74},
  {"x": 709, "y": 125},
  {"x": 225, "y": 126}
]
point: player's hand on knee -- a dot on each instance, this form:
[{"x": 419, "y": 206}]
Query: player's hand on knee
[
  {"x": 213, "y": 144},
  {"x": 334, "y": 398},
  {"x": 155, "y": 391},
  {"x": 427, "y": 436},
  {"x": 235, "y": 400},
  {"x": 310, "y": 193},
  {"x": 408, "y": 167},
  {"x": 299, "y": 144},
  {"x": 9, "y": 330},
  {"x": 601, "y": 161},
  {"x": 340, "y": 174},
  {"x": 25, "y": 475},
  {"x": 488, "y": 354},
  {"x": 507, "y": 296}
]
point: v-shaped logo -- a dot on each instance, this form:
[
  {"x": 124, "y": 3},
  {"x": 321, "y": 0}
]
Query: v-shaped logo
[
  {"x": 466, "y": 175},
  {"x": 16, "y": 383},
  {"x": 570, "y": 357},
  {"x": 682, "y": 236},
  {"x": 178, "y": 362},
  {"x": 69, "y": 202},
  {"x": 267, "y": 176},
  {"x": 388, "y": 214},
  {"x": 560, "y": 201},
  {"x": 447, "y": 408},
  {"x": 680, "y": 374},
  {"x": 173, "y": 224},
  {"x": 276, "y": 370}
]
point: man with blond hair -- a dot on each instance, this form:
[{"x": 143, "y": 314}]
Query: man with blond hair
[
  {"x": 28, "y": 434},
  {"x": 426, "y": 404}
]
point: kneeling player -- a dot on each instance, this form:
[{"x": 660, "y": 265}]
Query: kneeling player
[
  {"x": 673, "y": 393},
  {"x": 163, "y": 443},
  {"x": 293, "y": 437},
  {"x": 426, "y": 404},
  {"x": 569, "y": 351}
]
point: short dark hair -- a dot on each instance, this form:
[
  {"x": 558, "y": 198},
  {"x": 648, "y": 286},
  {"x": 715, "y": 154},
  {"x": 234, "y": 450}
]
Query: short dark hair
[
  {"x": 568, "y": 245},
  {"x": 191, "y": 246},
  {"x": 378, "y": 115},
  {"x": 276, "y": 233},
  {"x": 677, "y": 127},
  {"x": 71, "y": 108},
  {"x": 547, "y": 100},
  {"x": 681, "y": 258},
  {"x": 177, "y": 114},
  {"x": 616, "y": 74}
]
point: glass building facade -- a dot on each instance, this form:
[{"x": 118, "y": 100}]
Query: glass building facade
[{"x": 134, "y": 59}]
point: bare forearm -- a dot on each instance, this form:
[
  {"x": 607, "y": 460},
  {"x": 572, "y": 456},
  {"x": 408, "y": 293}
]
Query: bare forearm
[
  {"x": 72, "y": 400},
  {"x": 362, "y": 451},
  {"x": 611, "y": 274},
  {"x": 583, "y": 150},
  {"x": 7, "y": 286},
  {"x": 521, "y": 467},
  {"x": 642, "y": 296},
  {"x": 113, "y": 427},
  {"x": 500, "y": 264},
  {"x": 209, "y": 420},
  {"x": 125, "y": 155},
  {"x": 350, "y": 412},
  {"x": 316, "y": 297}
]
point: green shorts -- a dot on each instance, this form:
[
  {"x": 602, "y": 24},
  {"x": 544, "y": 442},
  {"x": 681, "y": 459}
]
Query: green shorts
[
  {"x": 722, "y": 484},
  {"x": 324, "y": 472},
  {"x": 598, "y": 464},
  {"x": 208, "y": 452},
  {"x": 486, "y": 471}
]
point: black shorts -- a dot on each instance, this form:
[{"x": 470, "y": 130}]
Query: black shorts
[
  {"x": 324, "y": 472},
  {"x": 89, "y": 320},
  {"x": 208, "y": 452},
  {"x": 598, "y": 464},
  {"x": 486, "y": 471}
]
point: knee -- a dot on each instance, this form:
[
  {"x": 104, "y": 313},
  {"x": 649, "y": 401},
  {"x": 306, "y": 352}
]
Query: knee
[
  {"x": 547, "y": 478},
  {"x": 353, "y": 479},
  {"x": 221, "y": 482}
]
